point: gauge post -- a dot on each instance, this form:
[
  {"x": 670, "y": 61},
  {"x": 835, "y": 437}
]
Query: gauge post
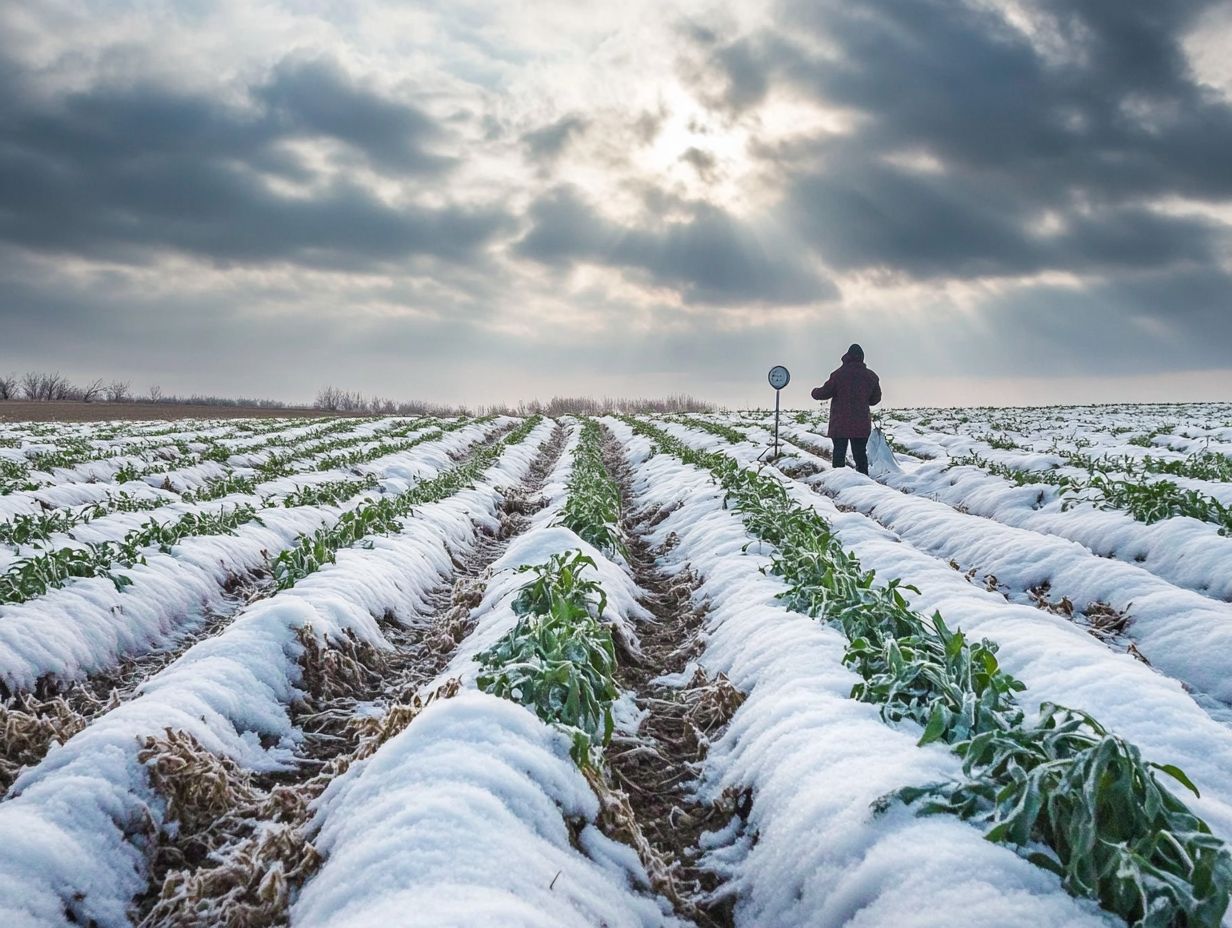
[{"x": 779, "y": 377}]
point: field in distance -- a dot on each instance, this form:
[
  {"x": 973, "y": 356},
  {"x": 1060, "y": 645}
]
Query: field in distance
[{"x": 31, "y": 411}]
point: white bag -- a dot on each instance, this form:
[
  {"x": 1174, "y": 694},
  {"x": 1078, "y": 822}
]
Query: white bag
[{"x": 881, "y": 459}]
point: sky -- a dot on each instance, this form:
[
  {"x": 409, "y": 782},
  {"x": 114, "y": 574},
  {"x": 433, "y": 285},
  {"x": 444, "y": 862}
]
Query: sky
[{"x": 477, "y": 202}]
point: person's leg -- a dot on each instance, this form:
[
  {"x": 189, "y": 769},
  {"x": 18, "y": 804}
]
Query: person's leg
[
  {"x": 859, "y": 450},
  {"x": 840, "y": 452}
]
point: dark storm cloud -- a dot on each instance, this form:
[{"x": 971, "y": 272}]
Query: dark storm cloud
[
  {"x": 861, "y": 214},
  {"x": 710, "y": 258},
  {"x": 315, "y": 97},
  {"x": 120, "y": 172},
  {"x": 1091, "y": 133},
  {"x": 747, "y": 81}
]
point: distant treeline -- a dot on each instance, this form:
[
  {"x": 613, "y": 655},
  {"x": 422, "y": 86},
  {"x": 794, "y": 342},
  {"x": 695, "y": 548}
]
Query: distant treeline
[
  {"x": 336, "y": 400},
  {"x": 56, "y": 388}
]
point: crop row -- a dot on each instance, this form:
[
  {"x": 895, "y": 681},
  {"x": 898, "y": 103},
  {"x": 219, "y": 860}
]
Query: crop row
[
  {"x": 383, "y": 516},
  {"x": 76, "y": 450},
  {"x": 32, "y": 528},
  {"x": 592, "y": 507},
  {"x": 1149, "y": 501},
  {"x": 540, "y": 648},
  {"x": 559, "y": 659},
  {"x": 34, "y": 575},
  {"x": 1113, "y": 831},
  {"x": 276, "y": 465},
  {"x": 714, "y": 428},
  {"x": 230, "y": 697},
  {"x": 1200, "y": 465}
]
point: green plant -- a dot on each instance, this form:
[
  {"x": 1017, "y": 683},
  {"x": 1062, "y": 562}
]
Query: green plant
[
  {"x": 1202, "y": 465},
  {"x": 36, "y": 574},
  {"x": 216, "y": 452},
  {"x": 15, "y": 477},
  {"x": 1051, "y": 476},
  {"x": 329, "y": 493},
  {"x": 732, "y": 435},
  {"x": 320, "y": 548},
  {"x": 559, "y": 659},
  {"x": 1160, "y": 863},
  {"x": 1113, "y": 831},
  {"x": 29, "y": 577},
  {"x": 1001, "y": 442},
  {"x": 1153, "y": 500},
  {"x": 1146, "y": 440},
  {"x": 592, "y": 507},
  {"x": 225, "y": 485},
  {"x": 384, "y": 516}
]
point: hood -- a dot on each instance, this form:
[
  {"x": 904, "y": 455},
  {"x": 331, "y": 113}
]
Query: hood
[{"x": 854, "y": 353}]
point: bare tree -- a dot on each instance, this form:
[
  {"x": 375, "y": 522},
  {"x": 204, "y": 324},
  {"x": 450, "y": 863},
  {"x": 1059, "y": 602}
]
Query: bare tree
[
  {"x": 30, "y": 384},
  {"x": 117, "y": 391},
  {"x": 338, "y": 400},
  {"x": 8, "y": 387},
  {"x": 92, "y": 391},
  {"x": 330, "y": 397},
  {"x": 156, "y": 393}
]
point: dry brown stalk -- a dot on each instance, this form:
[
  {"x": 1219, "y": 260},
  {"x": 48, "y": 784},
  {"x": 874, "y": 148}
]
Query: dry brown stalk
[
  {"x": 712, "y": 703},
  {"x": 257, "y": 846},
  {"x": 29, "y": 726},
  {"x": 338, "y": 668}
]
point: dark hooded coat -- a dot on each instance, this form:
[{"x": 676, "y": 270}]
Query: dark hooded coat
[{"x": 851, "y": 390}]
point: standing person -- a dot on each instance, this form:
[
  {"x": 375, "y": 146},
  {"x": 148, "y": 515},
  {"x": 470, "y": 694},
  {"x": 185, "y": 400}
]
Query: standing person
[{"x": 851, "y": 390}]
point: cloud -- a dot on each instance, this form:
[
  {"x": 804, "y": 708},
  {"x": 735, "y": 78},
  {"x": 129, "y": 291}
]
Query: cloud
[
  {"x": 710, "y": 256},
  {"x": 313, "y": 97},
  {"x": 1091, "y": 115},
  {"x": 868, "y": 215},
  {"x": 434, "y": 197},
  {"x": 124, "y": 172},
  {"x": 1145, "y": 323},
  {"x": 703, "y": 162},
  {"x": 546, "y": 143}
]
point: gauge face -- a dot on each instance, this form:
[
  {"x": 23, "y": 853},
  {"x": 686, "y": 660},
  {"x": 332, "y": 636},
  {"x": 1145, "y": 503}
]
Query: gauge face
[{"x": 779, "y": 376}]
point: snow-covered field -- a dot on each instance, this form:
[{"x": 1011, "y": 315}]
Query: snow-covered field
[{"x": 620, "y": 672}]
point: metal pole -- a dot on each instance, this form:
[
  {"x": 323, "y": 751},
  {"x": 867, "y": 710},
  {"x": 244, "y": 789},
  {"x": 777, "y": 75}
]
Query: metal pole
[{"x": 776, "y": 424}]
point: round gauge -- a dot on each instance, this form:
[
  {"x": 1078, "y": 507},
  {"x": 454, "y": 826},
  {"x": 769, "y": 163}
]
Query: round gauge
[{"x": 779, "y": 376}]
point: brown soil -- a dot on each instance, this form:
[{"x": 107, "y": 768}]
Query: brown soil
[
  {"x": 24, "y": 411},
  {"x": 653, "y": 771}
]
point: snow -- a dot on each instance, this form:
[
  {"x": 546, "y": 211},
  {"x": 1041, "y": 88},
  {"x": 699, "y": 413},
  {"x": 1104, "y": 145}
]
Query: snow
[
  {"x": 1059, "y": 662},
  {"x": 1184, "y": 634},
  {"x": 430, "y": 821},
  {"x": 815, "y": 760},
  {"x": 88, "y": 624},
  {"x": 494, "y": 616},
  {"x": 1184, "y": 551},
  {"x": 476, "y": 815},
  {"x": 465, "y": 819},
  {"x": 87, "y": 808}
]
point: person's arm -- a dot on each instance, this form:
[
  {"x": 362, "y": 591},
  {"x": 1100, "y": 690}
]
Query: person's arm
[
  {"x": 825, "y": 391},
  {"x": 875, "y": 397}
]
